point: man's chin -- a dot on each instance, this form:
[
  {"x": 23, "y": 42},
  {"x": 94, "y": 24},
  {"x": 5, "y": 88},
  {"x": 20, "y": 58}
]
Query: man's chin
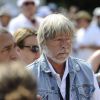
[{"x": 59, "y": 61}]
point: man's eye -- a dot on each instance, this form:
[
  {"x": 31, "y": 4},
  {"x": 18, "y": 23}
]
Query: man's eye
[
  {"x": 6, "y": 49},
  {"x": 58, "y": 39}
]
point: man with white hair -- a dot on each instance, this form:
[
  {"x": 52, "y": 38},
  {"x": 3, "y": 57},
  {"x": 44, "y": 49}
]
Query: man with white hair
[
  {"x": 27, "y": 18},
  {"x": 61, "y": 77}
]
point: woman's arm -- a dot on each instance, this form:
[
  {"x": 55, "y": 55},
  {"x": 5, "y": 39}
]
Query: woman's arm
[{"x": 94, "y": 60}]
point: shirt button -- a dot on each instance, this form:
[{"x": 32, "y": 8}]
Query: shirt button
[{"x": 52, "y": 88}]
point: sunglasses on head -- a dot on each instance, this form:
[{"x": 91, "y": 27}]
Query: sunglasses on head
[
  {"x": 28, "y": 3},
  {"x": 33, "y": 48}
]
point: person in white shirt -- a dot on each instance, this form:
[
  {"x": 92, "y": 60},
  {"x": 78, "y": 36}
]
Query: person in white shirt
[
  {"x": 83, "y": 20},
  {"x": 27, "y": 17},
  {"x": 91, "y": 39}
]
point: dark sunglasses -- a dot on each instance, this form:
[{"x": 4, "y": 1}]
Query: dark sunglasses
[
  {"x": 29, "y": 3},
  {"x": 33, "y": 48}
]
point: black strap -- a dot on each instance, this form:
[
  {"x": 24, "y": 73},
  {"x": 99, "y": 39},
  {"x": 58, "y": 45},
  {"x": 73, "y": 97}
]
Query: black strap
[
  {"x": 67, "y": 87},
  {"x": 61, "y": 98}
]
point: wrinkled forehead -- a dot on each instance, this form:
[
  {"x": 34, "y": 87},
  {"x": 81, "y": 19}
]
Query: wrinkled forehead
[{"x": 6, "y": 40}]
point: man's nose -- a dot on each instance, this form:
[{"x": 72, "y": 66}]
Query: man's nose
[
  {"x": 37, "y": 55},
  {"x": 14, "y": 54}
]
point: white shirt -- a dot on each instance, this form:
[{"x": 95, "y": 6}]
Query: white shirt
[
  {"x": 92, "y": 35},
  {"x": 87, "y": 37},
  {"x": 62, "y": 83},
  {"x": 22, "y": 22}
]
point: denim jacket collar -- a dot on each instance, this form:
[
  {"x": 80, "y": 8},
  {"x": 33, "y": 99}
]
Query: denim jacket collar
[
  {"x": 73, "y": 69},
  {"x": 73, "y": 66},
  {"x": 44, "y": 64}
]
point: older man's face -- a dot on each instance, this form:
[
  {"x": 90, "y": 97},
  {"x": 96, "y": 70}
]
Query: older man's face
[
  {"x": 7, "y": 48},
  {"x": 58, "y": 49}
]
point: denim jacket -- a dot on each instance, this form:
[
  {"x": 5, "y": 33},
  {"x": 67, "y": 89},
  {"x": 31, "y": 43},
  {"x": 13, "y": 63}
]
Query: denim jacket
[{"x": 81, "y": 79}]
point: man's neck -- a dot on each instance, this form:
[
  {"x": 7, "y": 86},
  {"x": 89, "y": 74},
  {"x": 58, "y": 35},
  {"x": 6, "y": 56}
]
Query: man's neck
[
  {"x": 28, "y": 16},
  {"x": 59, "y": 68}
]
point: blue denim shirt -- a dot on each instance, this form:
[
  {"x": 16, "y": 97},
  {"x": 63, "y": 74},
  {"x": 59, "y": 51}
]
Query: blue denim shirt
[{"x": 81, "y": 79}]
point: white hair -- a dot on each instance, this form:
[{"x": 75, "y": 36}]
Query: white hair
[{"x": 52, "y": 26}]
